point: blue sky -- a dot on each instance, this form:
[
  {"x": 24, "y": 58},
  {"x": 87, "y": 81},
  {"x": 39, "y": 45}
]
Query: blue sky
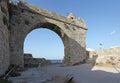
[{"x": 101, "y": 16}]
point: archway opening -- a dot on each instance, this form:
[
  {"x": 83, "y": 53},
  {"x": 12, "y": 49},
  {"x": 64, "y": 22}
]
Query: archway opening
[{"x": 44, "y": 43}]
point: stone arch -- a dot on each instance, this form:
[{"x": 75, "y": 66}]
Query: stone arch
[
  {"x": 53, "y": 27},
  {"x": 50, "y": 26},
  {"x": 48, "y": 44},
  {"x": 24, "y": 18}
]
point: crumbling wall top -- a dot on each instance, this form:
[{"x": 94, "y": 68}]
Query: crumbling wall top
[{"x": 52, "y": 15}]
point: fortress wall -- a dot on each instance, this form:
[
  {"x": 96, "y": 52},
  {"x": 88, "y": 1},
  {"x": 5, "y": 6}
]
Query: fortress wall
[{"x": 4, "y": 37}]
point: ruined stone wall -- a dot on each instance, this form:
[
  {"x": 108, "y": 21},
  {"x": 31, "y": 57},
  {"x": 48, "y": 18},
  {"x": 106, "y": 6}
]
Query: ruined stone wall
[
  {"x": 30, "y": 61},
  {"x": 17, "y": 20},
  {"x": 25, "y": 18},
  {"x": 107, "y": 56},
  {"x": 4, "y": 37}
]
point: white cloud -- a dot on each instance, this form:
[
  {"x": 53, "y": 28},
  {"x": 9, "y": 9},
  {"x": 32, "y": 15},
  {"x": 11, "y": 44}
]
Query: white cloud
[
  {"x": 89, "y": 49},
  {"x": 114, "y": 46},
  {"x": 113, "y": 32}
]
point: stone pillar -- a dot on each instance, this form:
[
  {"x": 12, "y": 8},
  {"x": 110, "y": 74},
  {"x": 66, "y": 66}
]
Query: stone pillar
[
  {"x": 75, "y": 46},
  {"x": 4, "y": 37}
]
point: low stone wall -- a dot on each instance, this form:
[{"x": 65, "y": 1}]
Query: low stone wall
[
  {"x": 29, "y": 61},
  {"x": 108, "y": 56}
]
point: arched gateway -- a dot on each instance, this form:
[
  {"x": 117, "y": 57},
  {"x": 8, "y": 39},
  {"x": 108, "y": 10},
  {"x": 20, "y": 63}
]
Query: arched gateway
[{"x": 24, "y": 18}]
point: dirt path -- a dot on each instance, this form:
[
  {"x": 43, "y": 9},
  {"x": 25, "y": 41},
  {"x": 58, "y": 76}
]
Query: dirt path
[
  {"x": 82, "y": 74},
  {"x": 32, "y": 75}
]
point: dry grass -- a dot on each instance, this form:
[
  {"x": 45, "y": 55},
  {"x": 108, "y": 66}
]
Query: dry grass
[{"x": 63, "y": 79}]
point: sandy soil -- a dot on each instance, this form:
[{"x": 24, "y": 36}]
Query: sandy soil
[{"x": 82, "y": 74}]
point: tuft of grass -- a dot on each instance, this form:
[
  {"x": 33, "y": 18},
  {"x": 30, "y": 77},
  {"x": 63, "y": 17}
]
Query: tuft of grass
[
  {"x": 63, "y": 79},
  {"x": 15, "y": 73},
  {"x": 69, "y": 79},
  {"x": 5, "y": 81}
]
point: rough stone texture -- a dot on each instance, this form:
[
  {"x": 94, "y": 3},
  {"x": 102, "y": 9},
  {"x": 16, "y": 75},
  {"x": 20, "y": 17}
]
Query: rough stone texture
[
  {"x": 25, "y": 18},
  {"x": 29, "y": 61},
  {"x": 28, "y": 56},
  {"x": 17, "y": 20},
  {"x": 108, "y": 56},
  {"x": 4, "y": 37}
]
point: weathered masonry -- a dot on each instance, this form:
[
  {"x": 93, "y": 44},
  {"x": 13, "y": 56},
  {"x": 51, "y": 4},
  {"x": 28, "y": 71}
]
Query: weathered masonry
[{"x": 17, "y": 20}]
